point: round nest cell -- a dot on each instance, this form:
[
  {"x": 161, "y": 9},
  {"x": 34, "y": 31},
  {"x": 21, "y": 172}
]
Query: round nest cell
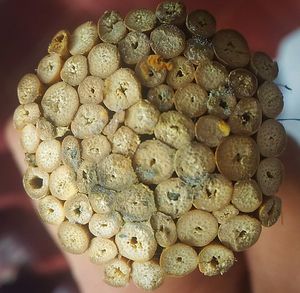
[{"x": 152, "y": 143}]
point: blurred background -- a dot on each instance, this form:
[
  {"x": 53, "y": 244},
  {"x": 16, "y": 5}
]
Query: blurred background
[{"x": 29, "y": 260}]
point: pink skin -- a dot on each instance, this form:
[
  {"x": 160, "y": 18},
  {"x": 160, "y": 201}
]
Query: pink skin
[{"x": 272, "y": 264}]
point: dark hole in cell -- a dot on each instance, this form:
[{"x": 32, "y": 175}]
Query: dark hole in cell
[
  {"x": 179, "y": 73},
  {"x": 238, "y": 157},
  {"x": 175, "y": 127},
  {"x": 210, "y": 193},
  {"x": 173, "y": 195},
  {"x": 198, "y": 229},
  {"x": 242, "y": 234},
  {"x": 214, "y": 262},
  {"x": 269, "y": 175},
  {"x": 223, "y": 105},
  {"x": 245, "y": 118},
  {"x": 84, "y": 175},
  {"x": 77, "y": 211},
  {"x": 179, "y": 259},
  {"x": 133, "y": 241},
  {"x": 150, "y": 73},
  {"x": 134, "y": 45},
  {"x": 36, "y": 182}
]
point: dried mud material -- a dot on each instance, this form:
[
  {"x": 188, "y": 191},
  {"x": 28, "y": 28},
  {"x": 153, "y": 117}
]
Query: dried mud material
[{"x": 152, "y": 143}]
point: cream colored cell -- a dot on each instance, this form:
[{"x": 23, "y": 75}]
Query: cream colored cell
[
  {"x": 191, "y": 100},
  {"x": 115, "y": 172},
  {"x": 136, "y": 241},
  {"x": 136, "y": 203},
  {"x": 240, "y": 232},
  {"x": 225, "y": 213},
  {"x": 49, "y": 67},
  {"x": 271, "y": 138},
  {"x": 151, "y": 71},
  {"x": 174, "y": 129},
  {"x": 70, "y": 152},
  {"x": 51, "y": 210},
  {"x": 105, "y": 225},
  {"x": 270, "y": 211},
  {"x": 164, "y": 229},
  {"x": 215, "y": 259},
  {"x": 121, "y": 90},
  {"x": 246, "y": 117},
  {"x": 104, "y": 60},
  {"x": 142, "y": 117},
  {"x": 162, "y": 96},
  {"x": 102, "y": 250},
  {"x": 62, "y": 183},
  {"x": 45, "y": 129},
  {"x": 211, "y": 75},
  {"x": 26, "y": 114},
  {"x": 48, "y": 155},
  {"x": 147, "y": 275},
  {"x": 125, "y": 141},
  {"x": 73, "y": 238},
  {"x": 60, "y": 44},
  {"x": 89, "y": 120},
  {"x": 95, "y": 148},
  {"x": 247, "y": 196},
  {"x": 113, "y": 125},
  {"x": 117, "y": 272},
  {"x": 29, "y": 139},
  {"x": 74, "y": 70},
  {"x": 181, "y": 73},
  {"x": 90, "y": 90},
  {"x": 78, "y": 209},
  {"x": 140, "y": 20},
  {"x": 269, "y": 175},
  {"x": 178, "y": 260},
  {"x": 29, "y": 89},
  {"x": 173, "y": 198},
  {"x": 111, "y": 27},
  {"x": 103, "y": 201},
  {"x": 60, "y": 103},
  {"x": 270, "y": 98},
  {"x": 213, "y": 193},
  {"x": 36, "y": 182},
  {"x": 87, "y": 177},
  {"x": 197, "y": 228},
  {"x": 237, "y": 157},
  {"x": 167, "y": 40},
  {"x": 221, "y": 102},
  {"x": 153, "y": 162},
  {"x": 134, "y": 47},
  {"x": 193, "y": 161},
  {"x": 83, "y": 38},
  {"x": 211, "y": 129}
]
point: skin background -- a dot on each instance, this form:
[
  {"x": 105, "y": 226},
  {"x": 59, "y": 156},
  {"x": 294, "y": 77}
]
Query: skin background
[{"x": 26, "y": 28}]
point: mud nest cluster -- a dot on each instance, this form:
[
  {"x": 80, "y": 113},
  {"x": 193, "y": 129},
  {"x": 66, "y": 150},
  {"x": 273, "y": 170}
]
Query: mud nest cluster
[{"x": 152, "y": 142}]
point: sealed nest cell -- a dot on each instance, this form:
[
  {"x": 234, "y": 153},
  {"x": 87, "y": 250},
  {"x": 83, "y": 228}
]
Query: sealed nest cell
[{"x": 152, "y": 143}]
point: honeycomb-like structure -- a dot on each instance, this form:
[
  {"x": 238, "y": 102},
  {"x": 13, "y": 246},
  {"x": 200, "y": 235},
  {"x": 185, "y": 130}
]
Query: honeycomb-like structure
[{"x": 152, "y": 143}]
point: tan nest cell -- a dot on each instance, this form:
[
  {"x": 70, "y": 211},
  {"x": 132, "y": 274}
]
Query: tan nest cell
[{"x": 152, "y": 143}]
